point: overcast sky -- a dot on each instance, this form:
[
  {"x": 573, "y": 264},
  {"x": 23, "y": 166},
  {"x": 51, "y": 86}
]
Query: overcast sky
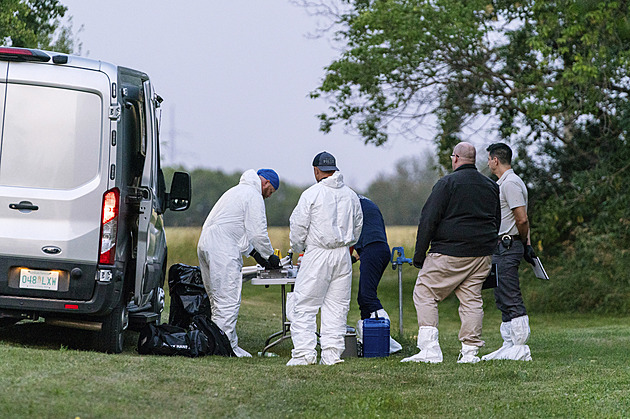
[{"x": 235, "y": 77}]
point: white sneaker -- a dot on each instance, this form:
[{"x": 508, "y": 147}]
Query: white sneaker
[{"x": 241, "y": 353}]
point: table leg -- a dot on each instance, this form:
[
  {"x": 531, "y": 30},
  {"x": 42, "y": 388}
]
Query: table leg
[{"x": 285, "y": 332}]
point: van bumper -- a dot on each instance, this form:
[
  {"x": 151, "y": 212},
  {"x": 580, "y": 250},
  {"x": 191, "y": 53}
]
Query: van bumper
[{"x": 104, "y": 298}]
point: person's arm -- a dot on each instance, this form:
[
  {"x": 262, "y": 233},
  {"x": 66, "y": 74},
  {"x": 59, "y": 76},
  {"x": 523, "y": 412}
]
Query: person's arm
[
  {"x": 358, "y": 219},
  {"x": 517, "y": 202},
  {"x": 522, "y": 223},
  {"x": 432, "y": 214},
  {"x": 256, "y": 226},
  {"x": 299, "y": 222},
  {"x": 497, "y": 213}
]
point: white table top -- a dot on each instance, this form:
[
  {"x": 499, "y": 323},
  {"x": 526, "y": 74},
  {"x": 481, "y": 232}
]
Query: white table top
[{"x": 273, "y": 281}]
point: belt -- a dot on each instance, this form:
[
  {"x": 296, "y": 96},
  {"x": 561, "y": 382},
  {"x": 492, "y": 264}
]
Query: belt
[{"x": 512, "y": 236}]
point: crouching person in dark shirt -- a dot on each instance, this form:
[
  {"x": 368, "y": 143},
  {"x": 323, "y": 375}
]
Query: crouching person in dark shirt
[{"x": 373, "y": 252}]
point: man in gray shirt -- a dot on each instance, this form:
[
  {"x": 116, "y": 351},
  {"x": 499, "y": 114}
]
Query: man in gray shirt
[{"x": 512, "y": 245}]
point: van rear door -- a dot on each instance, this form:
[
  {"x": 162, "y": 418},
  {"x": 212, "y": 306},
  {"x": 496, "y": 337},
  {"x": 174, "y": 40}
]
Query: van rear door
[
  {"x": 147, "y": 236},
  {"x": 53, "y": 170}
]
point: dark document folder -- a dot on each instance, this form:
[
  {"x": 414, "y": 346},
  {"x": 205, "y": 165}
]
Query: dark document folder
[{"x": 492, "y": 281}]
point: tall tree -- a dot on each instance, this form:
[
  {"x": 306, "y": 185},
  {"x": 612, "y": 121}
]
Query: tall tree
[
  {"x": 551, "y": 75},
  {"x": 36, "y": 24}
]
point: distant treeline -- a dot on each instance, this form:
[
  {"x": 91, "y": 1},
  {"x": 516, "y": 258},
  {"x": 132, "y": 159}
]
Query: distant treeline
[{"x": 400, "y": 195}]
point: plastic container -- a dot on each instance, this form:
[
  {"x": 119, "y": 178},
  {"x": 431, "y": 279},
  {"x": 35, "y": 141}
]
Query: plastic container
[{"x": 375, "y": 338}]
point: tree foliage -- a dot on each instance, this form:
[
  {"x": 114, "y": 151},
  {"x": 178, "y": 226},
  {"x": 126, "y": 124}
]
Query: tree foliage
[
  {"x": 551, "y": 76},
  {"x": 36, "y": 24}
]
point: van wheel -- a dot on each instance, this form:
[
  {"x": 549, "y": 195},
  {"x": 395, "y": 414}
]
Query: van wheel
[
  {"x": 111, "y": 336},
  {"x": 157, "y": 302}
]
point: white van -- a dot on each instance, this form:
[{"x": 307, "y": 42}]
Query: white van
[{"x": 82, "y": 194}]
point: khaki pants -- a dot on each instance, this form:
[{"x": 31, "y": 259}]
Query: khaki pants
[{"x": 439, "y": 277}]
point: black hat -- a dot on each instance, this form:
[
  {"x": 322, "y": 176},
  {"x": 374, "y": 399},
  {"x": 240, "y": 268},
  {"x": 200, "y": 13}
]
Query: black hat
[{"x": 325, "y": 162}]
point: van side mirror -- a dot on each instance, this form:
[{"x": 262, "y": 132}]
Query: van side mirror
[{"x": 179, "y": 197}]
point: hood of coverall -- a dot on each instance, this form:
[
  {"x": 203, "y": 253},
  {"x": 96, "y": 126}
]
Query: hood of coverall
[
  {"x": 328, "y": 215},
  {"x": 232, "y": 224},
  {"x": 334, "y": 181},
  {"x": 250, "y": 178}
]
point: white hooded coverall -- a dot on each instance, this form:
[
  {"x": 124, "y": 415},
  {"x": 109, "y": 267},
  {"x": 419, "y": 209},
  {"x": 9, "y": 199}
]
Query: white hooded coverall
[
  {"x": 236, "y": 224},
  {"x": 326, "y": 221}
]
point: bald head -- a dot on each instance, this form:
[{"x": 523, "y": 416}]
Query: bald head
[{"x": 463, "y": 153}]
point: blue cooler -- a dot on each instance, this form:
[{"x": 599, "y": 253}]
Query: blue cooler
[{"x": 375, "y": 338}]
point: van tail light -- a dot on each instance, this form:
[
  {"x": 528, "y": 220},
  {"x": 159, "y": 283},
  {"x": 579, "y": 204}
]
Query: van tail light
[
  {"x": 22, "y": 54},
  {"x": 109, "y": 226}
]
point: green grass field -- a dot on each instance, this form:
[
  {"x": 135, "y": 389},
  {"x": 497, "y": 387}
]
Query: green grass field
[{"x": 580, "y": 369}]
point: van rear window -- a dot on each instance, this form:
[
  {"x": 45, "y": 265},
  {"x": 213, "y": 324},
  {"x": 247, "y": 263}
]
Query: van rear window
[{"x": 51, "y": 137}]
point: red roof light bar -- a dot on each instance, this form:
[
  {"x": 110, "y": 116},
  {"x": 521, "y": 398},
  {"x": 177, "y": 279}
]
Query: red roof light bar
[{"x": 22, "y": 54}]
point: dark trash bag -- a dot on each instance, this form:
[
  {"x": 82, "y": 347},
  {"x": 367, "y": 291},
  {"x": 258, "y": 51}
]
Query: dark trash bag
[
  {"x": 218, "y": 342},
  {"x": 165, "y": 339},
  {"x": 188, "y": 295}
]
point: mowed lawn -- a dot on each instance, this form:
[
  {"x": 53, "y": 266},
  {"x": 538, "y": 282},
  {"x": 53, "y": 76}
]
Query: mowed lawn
[{"x": 581, "y": 368}]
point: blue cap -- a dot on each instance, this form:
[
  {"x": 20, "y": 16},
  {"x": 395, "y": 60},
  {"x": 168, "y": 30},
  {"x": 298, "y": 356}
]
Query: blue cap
[
  {"x": 325, "y": 162},
  {"x": 271, "y": 176}
]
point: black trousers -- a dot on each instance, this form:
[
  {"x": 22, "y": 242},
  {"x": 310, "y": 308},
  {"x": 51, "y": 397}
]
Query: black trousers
[
  {"x": 508, "y": 295},
  {"x": 375, "y": 257}
]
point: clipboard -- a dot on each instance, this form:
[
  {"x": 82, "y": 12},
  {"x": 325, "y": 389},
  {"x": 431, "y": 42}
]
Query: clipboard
[
  {"x": 492, "y": 281},
  {"x": 539, "y": 270}
]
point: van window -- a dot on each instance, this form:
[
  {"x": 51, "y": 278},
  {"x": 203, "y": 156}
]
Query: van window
[{"x": 51, "y": 137}]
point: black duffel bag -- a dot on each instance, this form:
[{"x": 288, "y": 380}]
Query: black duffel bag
[
  {"x": 188, "y": 295},
  {"x": 165, "y": 339},
  {"x": 218, "y": 342}
]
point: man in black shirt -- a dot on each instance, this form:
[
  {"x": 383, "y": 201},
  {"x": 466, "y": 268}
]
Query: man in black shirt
[{"x": 458, "y": 227}]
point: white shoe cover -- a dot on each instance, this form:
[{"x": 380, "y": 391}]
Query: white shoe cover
[
  {"x": 394, "y": 346},
  {"x": 468, "y": 354},
  {"x": 506, "y": 334},
  {"x": 301, "y": 360},
  {"x": 518, "y": 335},
  {"x": 429, "y": 346},
  {"x": 241, "y": 353},
  {"x": 330, "y": 356},
  {"x": 381, "y": 314},
  {"x": 359, "y": 331}
]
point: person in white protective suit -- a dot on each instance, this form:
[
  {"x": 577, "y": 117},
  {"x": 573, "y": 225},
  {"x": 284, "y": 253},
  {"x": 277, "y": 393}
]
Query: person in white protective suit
[
  {"x": 236, "y": 226},
  {"x": 325, "y": 223}
]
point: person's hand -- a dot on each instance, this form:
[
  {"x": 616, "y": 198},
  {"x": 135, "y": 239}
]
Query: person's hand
[
  {"x": 353, "y": 258},
  {"x": 418, "y": 261},
  {"x": 529, "y": 254},
  {"x": 259, "y": 259},
  {"x": 274, "y": 262}
]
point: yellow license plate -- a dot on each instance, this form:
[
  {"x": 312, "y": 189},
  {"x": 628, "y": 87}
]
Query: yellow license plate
[{"x": 39, "y": 280}]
